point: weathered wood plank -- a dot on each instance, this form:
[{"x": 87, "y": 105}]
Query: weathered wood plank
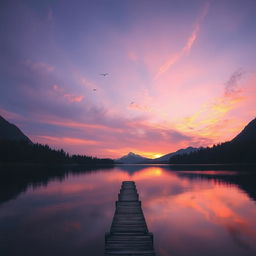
[{"x": 129, "y": 233}]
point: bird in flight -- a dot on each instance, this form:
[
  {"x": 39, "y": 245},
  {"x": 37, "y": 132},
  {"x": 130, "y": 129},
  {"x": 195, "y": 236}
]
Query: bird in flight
[
  {"x": 104, "y": 74},
  {"x": 94, "y": 90}
]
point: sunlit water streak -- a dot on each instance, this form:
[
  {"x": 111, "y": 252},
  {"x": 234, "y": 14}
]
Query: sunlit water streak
[{"x": 189, "y": 212}]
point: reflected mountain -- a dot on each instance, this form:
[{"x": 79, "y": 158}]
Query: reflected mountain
[
  {"x": 16, "y": 179},
  {"x": 243, "y": 176},
  {"x": 245, "y": 180}
]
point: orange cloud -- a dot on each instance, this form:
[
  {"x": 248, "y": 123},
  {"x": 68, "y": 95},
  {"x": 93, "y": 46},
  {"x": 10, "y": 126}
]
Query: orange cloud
[{"x": 210, "y": 121}]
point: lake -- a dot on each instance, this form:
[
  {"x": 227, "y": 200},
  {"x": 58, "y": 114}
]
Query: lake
[{"x": 55, "y": 211}]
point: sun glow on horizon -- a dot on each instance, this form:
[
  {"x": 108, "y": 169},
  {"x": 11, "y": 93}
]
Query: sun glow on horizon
[
  {"x": 157, "y": 155},
  {"x": 151, "y": 155}
]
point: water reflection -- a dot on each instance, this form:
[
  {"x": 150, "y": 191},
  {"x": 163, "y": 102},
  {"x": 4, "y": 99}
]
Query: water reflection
[
  {"x": 190, "y": 212},
  {"x": 16, "y": 179},
  {"x": 245, "y": 179}
]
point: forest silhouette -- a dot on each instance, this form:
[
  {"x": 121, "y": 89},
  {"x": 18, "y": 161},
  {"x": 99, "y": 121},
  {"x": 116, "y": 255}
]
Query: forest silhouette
[{"x": 26, "y": 152}]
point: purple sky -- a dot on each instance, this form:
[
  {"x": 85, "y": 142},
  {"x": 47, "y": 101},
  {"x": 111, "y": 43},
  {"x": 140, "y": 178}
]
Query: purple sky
[{"x": 181, "y": 73}]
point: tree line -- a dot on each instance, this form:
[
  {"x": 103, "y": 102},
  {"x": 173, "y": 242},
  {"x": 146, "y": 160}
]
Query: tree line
[
  {"x": 26, "y": 152},
  {"x": 227, "y": 152}
]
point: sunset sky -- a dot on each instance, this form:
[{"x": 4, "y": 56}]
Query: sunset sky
[{"x": 180, "y": 73}]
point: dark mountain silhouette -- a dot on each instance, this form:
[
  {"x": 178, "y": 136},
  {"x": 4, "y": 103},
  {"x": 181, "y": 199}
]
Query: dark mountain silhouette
[
  {"x": 132, "y": 158},
  {"x": 165, "y": 159},
  {"x": 241, "y": 149},
  {"x": 15, "y": 147},
  {"x": 247, "y": 135},
  {"x": 10, "y": 131}
]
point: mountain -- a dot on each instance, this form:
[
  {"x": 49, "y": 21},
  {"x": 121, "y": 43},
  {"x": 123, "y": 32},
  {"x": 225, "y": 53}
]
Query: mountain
[
  {"x": 15, "y": 147},
  {"x": 247, "y": 135},
  {"x": 241, "y": 149},
  {"x": 10, "y": 131},
  {"x": 165, "y": 158},
  {"x": 132, "y": 158}
]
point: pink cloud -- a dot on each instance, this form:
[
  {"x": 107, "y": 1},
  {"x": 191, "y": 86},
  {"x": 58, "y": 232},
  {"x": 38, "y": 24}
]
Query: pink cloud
[
  {"x": 40, "y": 66},
  {"x": 188, "y": 45},
  {"x": 68, "y": 96},
  {"x": 66, "y": 140},
  {"x": 11, "y": 115},
  {"x": 65, "y": 122},
  {"x": 87, "y": 83},
  {"x": 136, "y": 106},
  {"x": 73, "y": 98}
]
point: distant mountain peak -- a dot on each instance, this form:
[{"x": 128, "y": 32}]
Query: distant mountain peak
[
  {"x": 241, "y": 149},
  {"x": 132, "y": 158},
  {"x": 10, "y": 131},
  {"x": 132, "y": 154},
  {"x": 165, "y": 158}
]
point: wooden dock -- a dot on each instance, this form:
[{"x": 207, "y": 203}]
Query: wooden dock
[{"x": 129, "y": 234}]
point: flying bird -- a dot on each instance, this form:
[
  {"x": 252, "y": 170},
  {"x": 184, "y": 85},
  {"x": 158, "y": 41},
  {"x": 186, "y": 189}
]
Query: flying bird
[
  {"x": 94, "y": 90},
  {"x": 104, "y": 74}
]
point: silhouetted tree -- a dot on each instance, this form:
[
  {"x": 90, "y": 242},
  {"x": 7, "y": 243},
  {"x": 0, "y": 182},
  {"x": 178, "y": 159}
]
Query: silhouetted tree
[
  {"x": 25, "y": 152},
  {"x": 228, "y": 152}
]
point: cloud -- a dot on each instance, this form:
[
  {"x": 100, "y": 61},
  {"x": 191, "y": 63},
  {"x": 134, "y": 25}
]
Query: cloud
[
  {"x": 48, "y": 77},
  {"x": 73, "y": 98},
  {"x": 82, "y": 125},
  {"x": 140, "y": 107},
  {"x": 231, "y": 86},
  {"x": 188, "y": 45},
  {"x": 11, "y": 115},
  {"x": 40, "y": 66},
  {"x": 113, "y": 135},
  {"x": 68, "y": 96},
  {"x": 84, "y": 81},
  {"x": 67, "y": 140},
  {"x": 211, "y": 120}
]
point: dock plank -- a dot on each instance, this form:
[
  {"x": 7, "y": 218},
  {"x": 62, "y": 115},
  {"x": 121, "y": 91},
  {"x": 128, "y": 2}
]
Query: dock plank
[{"x": 129, "y": 235}]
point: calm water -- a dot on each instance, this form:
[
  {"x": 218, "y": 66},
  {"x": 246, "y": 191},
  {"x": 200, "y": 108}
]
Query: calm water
[{"x": 46, "y": 212}]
